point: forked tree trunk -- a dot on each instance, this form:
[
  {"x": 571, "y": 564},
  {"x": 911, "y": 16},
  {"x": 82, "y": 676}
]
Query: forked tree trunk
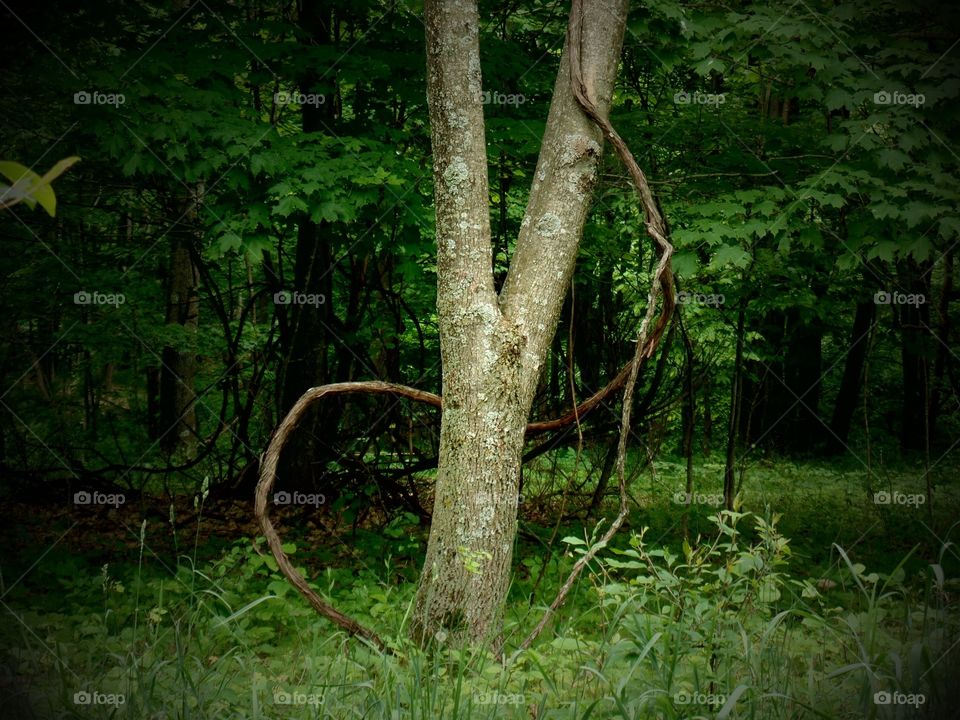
[{"x": 493, "y": 348}]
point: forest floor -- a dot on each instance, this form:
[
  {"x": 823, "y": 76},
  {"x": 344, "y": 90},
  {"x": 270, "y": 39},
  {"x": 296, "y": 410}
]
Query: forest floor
[{"x": 831, "y": 593}]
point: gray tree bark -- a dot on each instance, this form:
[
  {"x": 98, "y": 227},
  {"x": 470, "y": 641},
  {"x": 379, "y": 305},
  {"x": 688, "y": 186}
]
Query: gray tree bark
[{"x": 493, "y": 347}]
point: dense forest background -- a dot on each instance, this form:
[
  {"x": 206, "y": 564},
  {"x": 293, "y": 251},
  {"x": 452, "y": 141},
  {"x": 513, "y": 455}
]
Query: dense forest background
[{"x": 252, "y": 215}]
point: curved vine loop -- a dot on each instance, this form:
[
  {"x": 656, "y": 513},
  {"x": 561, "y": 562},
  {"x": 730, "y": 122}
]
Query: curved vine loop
[{"x": 268, "y": 475}]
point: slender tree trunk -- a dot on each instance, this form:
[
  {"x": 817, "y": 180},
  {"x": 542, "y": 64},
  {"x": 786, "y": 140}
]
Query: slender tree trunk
[
  {"x": 493, "y": 349},
  {"x": 914, "y": 332},
  {"x": 768, "y": 397},
  {"x": 178, "y": 416},
  {"x": 944, "y": 359},
  {"x": 707, "y": 395},
  {"x": 804, "y": 429},
  {"x": 605, "y": 472},
  {"x": 736, "y": 401},
  {"x": 688, "y": 415},
  {"x": 848, "y": 395}
]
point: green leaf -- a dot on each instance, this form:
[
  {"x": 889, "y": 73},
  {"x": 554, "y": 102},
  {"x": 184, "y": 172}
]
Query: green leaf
[
  {"x": 921, "y": 249},
  {"x": 289, "y": 204},
  {"x": 565, "y": 643},
  {"x": 893, "y": 159},
  {"x": 731, "y": 702},
  {"x": 731, "y": 255},
  {"x": 949, "y": 227},
  {"x": 704, "y": 67},
  {"x": 332, "y": 211},
  {"x": 811, "y": 237},
  {"x": 685, "y": 264},
  {"x": 769, "y": 591},
  {"x": 836, "y": 98},
  {"x": 917, "y": 212},
  {"x": 228, "y": 242}
]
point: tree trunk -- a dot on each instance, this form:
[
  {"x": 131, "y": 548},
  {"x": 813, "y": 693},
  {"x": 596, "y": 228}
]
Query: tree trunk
[
  {"x": 804, "y": 361},
  {"x": 493, "y": 349},
  {"x": 688, "y": 414},
  {"x": 178, "y": 415},
  {"x": 849, "y": 393},
  {"x": 914, "y": 338},
  {"x": 763, "y": 388},
  {"x": 707, "y": 394},
  {"x": 939, "y": 387},
  {"x": 736, "y": 403}
]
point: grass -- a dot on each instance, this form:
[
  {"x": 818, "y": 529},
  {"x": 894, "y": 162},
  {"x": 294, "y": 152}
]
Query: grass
[{"x": 810, "y": 602}]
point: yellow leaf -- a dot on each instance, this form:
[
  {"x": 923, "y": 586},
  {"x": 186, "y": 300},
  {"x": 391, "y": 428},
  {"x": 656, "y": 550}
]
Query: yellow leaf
[
  {"x": 60, "y": 168},
  {"x": 24, "y": 180},
  {"x": 30, "y": 187}
]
